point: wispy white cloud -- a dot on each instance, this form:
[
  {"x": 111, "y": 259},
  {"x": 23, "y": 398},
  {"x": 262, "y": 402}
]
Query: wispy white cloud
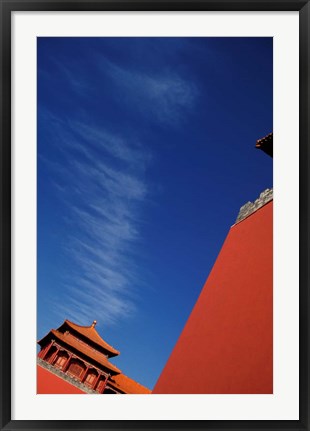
[
  {"x": 77, "y": 84},
  {"x": 99, "y": 176},
  {"x": 166, "y": 97},
  {"x": 115, "y": 145},
  {"x": 103, "y": 190}
]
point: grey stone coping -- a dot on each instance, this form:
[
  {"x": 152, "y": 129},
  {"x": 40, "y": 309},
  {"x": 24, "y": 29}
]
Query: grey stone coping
[{"x": 250, "y": 207}]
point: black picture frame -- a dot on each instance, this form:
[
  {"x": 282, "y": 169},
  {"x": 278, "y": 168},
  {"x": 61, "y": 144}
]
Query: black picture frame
[{"x": 9, "y": 6}]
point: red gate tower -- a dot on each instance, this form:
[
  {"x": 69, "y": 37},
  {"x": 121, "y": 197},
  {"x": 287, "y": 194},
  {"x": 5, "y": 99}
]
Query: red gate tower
[
  {"x": 226, "y": 346},
  {"x": 74, "y": 359}
]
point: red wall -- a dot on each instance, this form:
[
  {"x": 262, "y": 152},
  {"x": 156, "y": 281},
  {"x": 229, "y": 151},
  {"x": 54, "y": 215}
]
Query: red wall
[
  {"x": 49, "y": 383},
  {"x": 226, "y": 345}
]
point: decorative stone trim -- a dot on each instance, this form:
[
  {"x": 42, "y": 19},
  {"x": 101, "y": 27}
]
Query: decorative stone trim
[{"x": 250, "y": 207}]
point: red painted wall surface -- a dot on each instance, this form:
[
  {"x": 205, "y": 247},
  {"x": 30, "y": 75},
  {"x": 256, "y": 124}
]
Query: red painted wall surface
[
  {"x": 49, "y": 383},
  {"x": 226, "y": 346}
]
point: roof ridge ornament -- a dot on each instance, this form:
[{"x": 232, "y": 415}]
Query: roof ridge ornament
[{"x": 94, "y": 323}]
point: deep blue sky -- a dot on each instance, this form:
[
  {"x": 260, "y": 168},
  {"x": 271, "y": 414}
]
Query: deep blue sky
[{"x": 146, "y": 152}]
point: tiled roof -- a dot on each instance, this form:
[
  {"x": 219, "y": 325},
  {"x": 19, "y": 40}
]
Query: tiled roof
[
  {"x": 93, "y": 354},
  {"x": 91, "y": 333},
  {"x": 266, "y": 144},
  {"x": 129, "y": 385}
]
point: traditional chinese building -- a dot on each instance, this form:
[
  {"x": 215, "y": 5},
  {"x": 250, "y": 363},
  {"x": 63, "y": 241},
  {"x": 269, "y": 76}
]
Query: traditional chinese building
[
  {"x": 226, "y": 346},
  {"x": 75, "y": 359}
]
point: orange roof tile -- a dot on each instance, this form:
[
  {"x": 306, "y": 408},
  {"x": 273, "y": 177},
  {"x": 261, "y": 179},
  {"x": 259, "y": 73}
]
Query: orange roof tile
[
  {"x": 86, "y": 350},
  {"x": 91, "y": 333},
  {"x": 129, "y": 385}
]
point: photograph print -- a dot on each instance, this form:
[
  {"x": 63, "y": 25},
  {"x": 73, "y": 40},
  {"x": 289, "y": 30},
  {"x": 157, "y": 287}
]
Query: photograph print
[{"x": 154, "y": 215}]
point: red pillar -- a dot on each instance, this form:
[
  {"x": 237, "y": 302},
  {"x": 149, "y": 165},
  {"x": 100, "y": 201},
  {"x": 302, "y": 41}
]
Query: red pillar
[
  {"x": 66, "y": 366},
  {"x": 85, "y": 373},
  {"x": 45, "y": 350},
  {"x": 105, "y": 384},
  {"x": 51, "y": 361},
  {"x": 96, "y": 381}
]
